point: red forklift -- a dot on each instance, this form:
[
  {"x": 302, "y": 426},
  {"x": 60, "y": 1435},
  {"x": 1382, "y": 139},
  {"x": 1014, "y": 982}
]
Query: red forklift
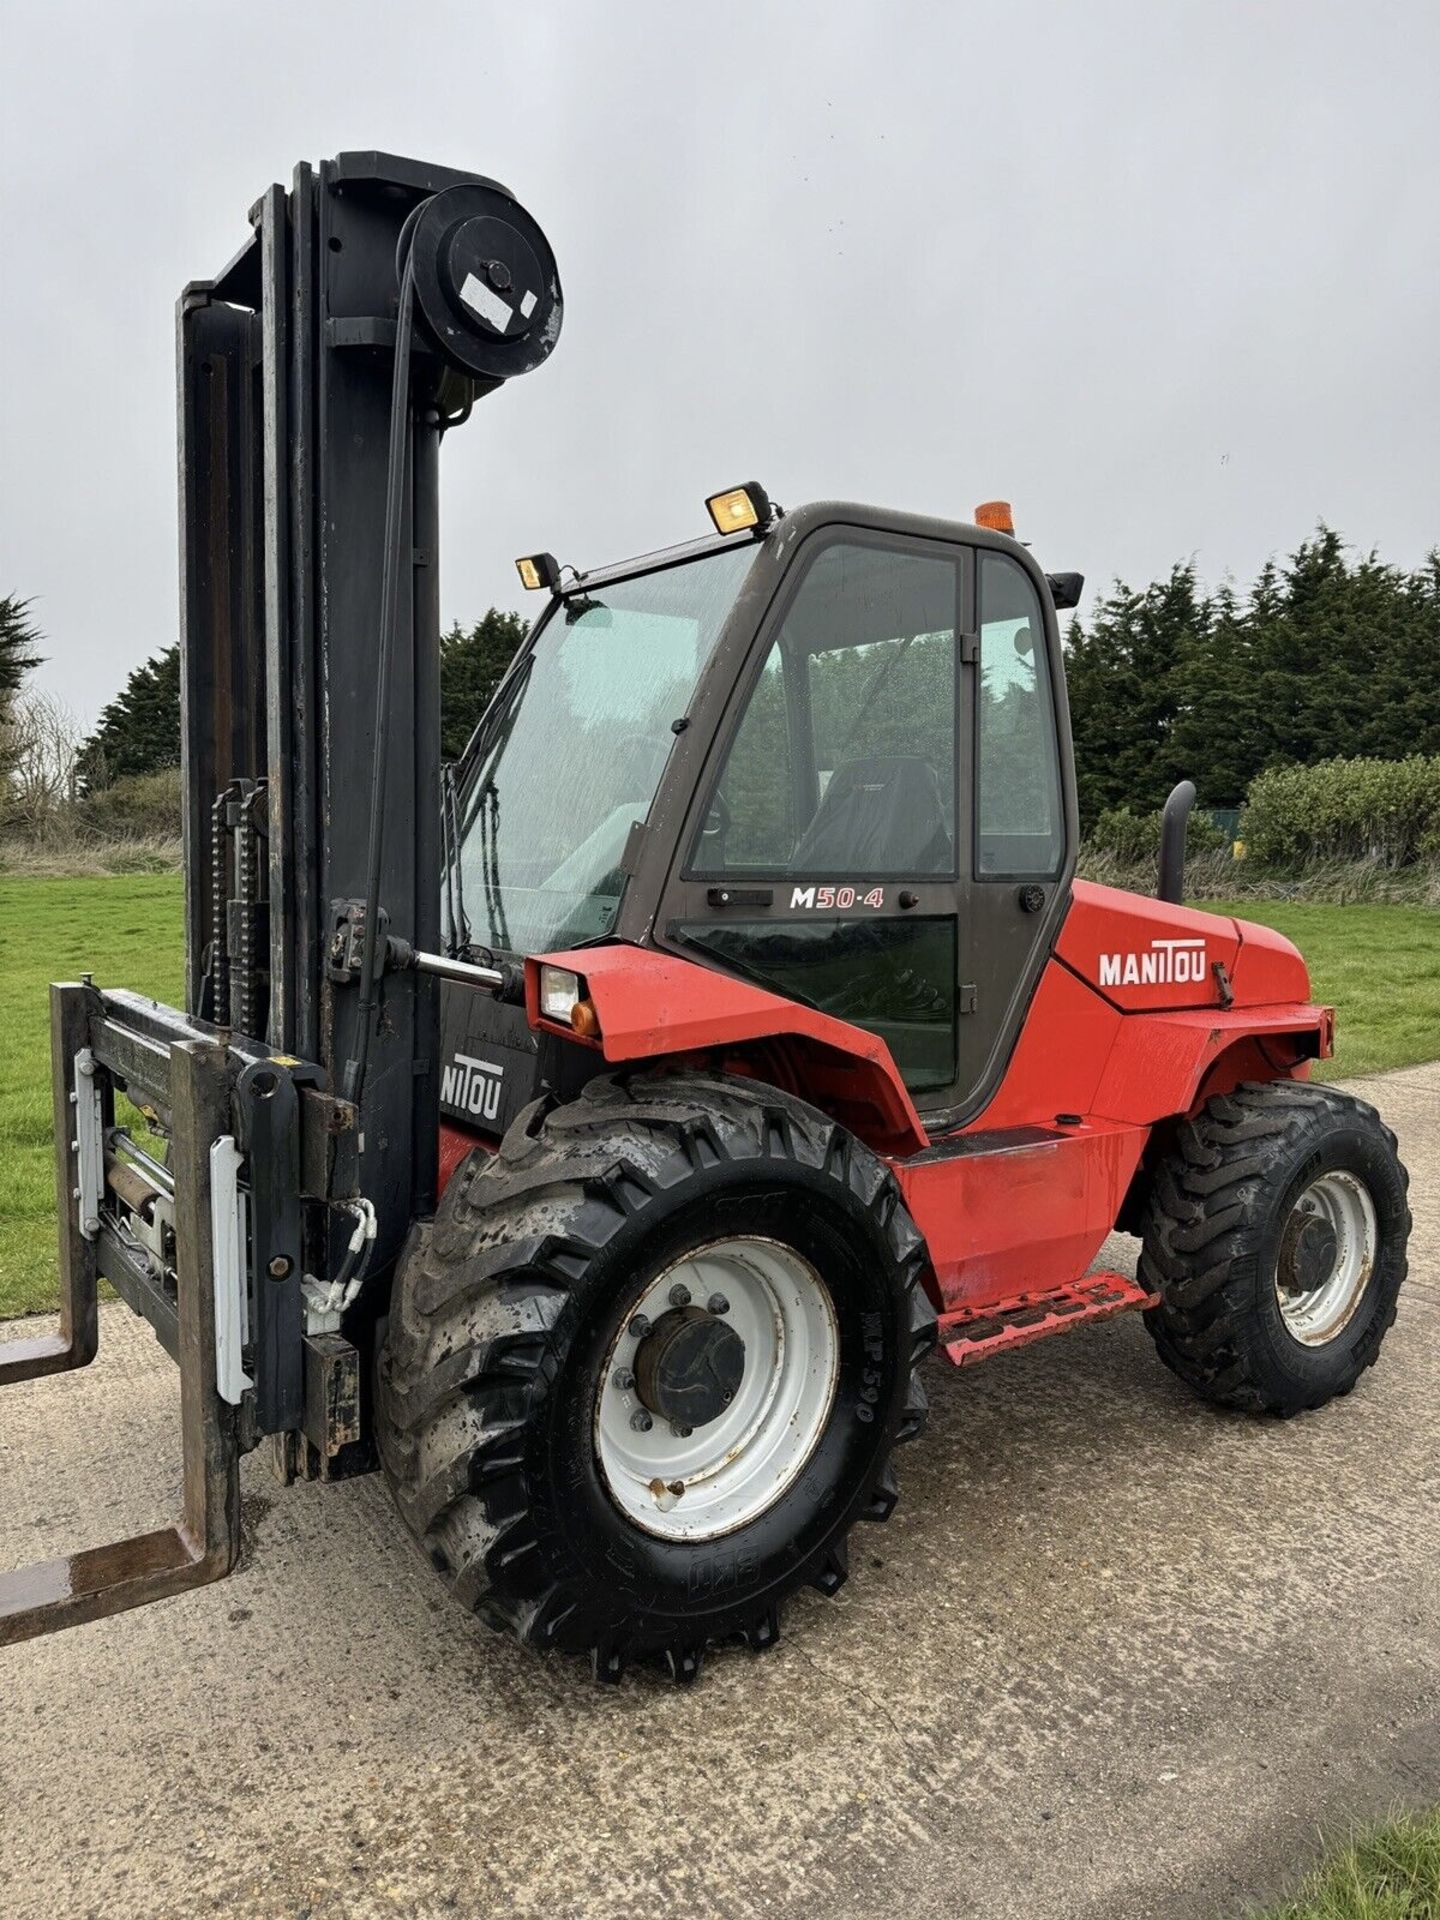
[{"x": 598, "y": 1135}]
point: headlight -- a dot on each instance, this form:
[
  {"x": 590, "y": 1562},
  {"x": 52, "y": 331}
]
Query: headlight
[{"x": 559, "y": 991}]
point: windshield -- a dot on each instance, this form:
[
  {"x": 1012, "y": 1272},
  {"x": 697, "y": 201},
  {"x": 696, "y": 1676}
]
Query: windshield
[{"x": 572, "y": 752}]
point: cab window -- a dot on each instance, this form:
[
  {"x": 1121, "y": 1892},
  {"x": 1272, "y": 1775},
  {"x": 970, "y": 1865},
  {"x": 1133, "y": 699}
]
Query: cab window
[
  {"x": 1020, "y": 826},
  {"x": 844, "y": 760}
]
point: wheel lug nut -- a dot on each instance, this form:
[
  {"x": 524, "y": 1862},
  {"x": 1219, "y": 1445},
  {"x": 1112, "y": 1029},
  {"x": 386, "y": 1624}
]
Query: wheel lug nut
[
  {"x": 623, "y": 1378},
  {"x": 717, "y": 1303},
  {"x": 639, "y": 1326},
  {"x": 680, "y": 1433},
  {"x": 641, "y": 1421},
  {"x": 680, "y": 1295}
]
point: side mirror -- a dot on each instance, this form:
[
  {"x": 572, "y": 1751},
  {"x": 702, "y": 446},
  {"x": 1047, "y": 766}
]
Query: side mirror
[
  {"x": 594, "y": 613},
  {"x": 1065, "y": 589}
]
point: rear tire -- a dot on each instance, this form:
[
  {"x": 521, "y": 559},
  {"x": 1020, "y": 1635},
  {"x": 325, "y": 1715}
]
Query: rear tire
[
  {"x": 1275, "y": 1238},
  {"x": 511, "y": 1325}
]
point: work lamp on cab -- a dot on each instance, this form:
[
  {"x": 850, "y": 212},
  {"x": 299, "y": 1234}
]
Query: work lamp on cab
[
  {"x": 739, "y": 508},
  {"x": 538, "y": 570}
]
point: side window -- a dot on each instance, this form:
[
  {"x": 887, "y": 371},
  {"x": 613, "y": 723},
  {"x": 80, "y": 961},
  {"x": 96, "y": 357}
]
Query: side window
[
  {"x": 1021, "y": 828},
  {"x": 844, "y": 761},
  {"x": 752, "y": 814}
]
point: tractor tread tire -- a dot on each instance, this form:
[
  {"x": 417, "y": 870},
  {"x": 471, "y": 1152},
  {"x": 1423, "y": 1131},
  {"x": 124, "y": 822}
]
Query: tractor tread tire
[
  {"x": 471, "y": 1350},
  {"x": 1205, "y": 1239}
]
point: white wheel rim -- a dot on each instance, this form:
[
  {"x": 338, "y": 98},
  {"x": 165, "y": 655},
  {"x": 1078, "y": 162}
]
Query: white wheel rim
[
  {"x": 1315, "y": 1315},
  {"x": 729, "y": 1471}
]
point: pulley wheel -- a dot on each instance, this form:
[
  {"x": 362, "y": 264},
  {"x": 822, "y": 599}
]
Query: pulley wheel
[{"x": 486, "y": 282}]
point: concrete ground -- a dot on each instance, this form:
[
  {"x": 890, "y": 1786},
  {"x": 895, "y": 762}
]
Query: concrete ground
[{"x": 1116, "y": 1655}]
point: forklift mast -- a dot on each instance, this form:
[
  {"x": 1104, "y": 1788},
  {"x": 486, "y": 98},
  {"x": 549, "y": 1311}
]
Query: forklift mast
[
  {"x": 286, "y": 379},
  {"x": 294, "y": 1097}
]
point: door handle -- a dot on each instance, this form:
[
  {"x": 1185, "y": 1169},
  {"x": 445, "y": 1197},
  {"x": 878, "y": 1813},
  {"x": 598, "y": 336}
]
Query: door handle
[{"x": 740, "y": 896}]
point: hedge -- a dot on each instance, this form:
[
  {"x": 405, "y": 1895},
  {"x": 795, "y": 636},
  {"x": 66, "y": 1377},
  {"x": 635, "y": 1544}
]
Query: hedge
[
  {"x": 1386, "y": 811},
  {"x": 136, "y": 806},
  {"x": 1132, "y": 838}
]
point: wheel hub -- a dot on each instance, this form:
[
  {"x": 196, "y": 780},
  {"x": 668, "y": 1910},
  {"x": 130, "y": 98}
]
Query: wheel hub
[
  {"x": 1326, "y": 1257},
  {"x": 1308, "y": 1252},
  {"x": 688, "y": 1368},
  {"x": 704, "y": 1416}
]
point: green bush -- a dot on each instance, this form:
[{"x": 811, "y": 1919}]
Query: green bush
[
  {"x": 1130, "y": 839},
  {"x": 1387, "y": 811},
  {"x": 140, "y": 805}
]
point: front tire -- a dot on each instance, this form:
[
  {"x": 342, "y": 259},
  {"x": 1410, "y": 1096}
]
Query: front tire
[
  {"x": 1276, "y": 1238},
  {"x": 577, "y": 1367}
]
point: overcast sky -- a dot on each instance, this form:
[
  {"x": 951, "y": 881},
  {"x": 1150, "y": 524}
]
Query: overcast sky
[{"x": 1165, "y": 275}]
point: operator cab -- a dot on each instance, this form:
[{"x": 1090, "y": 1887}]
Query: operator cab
[{"x": 826, "y": 753}]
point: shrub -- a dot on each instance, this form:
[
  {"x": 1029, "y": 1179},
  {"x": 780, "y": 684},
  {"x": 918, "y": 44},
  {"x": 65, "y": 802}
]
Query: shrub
[
  {"x": 60, "y": 854},
  {"x": 1387, "y": 811},
  {"x": 1130, "y": 839},
  {"x": 139, "y": 806}
]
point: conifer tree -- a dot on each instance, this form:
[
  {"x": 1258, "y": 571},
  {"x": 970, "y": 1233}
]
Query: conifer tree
[
  {"x": 1125, "y": 678},
  {"x": 1217, "y": 739},
  {"x": 472, "y": 663},
  {"x": 139, "y": 731},
  {"x": 1324, "y": 657},
  {"x": 19, "y": 637}
]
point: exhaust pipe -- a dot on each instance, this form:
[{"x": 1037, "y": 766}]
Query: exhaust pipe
[{"x": 1173, "y": 826}]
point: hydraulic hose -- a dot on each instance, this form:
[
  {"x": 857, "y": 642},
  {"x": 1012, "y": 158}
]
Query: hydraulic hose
[{"x": 354, "y": 1080}]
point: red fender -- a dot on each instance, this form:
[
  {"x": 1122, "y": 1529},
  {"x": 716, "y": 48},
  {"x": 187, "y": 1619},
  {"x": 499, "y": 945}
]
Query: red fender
[{"x": 654, "y": 1006}]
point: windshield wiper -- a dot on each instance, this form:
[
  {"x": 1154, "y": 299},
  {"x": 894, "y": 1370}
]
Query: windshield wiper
[
  {"x": 459, "y": 923},
  {"x": 482, "y": 813},
  {"x": 489, "y": 825},
  {"x": 873, "y": 691}
]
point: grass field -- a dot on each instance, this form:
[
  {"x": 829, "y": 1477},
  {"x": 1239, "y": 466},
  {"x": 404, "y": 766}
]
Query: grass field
[
  {"x": 1379, "y": 965},
  {"x": 1392, "y": 1873},
  {"x": 128, "y": 931}
]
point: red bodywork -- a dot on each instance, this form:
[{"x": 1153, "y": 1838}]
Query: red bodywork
[{"x": 1143, "y": 1011}]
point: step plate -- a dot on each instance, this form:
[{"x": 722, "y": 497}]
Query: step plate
[{"x": 975, "y": 1333}]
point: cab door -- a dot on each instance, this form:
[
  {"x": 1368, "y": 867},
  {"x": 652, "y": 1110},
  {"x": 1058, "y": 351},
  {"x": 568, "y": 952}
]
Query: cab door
[
  {"x": 1019, "y": 858},
  {"x": 855, "y": 840},
  {"x": 823, "y": 858}
]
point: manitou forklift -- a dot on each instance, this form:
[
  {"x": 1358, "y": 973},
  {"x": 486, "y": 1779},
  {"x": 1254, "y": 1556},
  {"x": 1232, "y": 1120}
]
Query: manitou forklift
[{"x": 600, "y": 1134}]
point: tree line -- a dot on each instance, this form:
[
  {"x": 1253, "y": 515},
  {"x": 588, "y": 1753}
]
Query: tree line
[
  {"x": 1326, "y": 654},
  {"x": 139, "y": 731},
  {"x": 122, "y": 780}
]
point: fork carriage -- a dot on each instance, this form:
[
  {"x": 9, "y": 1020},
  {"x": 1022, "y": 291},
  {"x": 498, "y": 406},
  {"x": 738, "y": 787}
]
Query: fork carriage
[{"x": 207, "y": 1245}]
